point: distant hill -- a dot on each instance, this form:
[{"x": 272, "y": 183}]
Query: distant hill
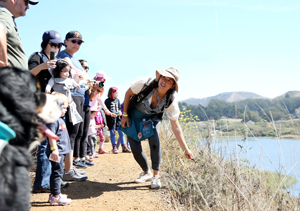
[
  {"x": 226, "y": 96},
  {"x": 289, "y": 94}
]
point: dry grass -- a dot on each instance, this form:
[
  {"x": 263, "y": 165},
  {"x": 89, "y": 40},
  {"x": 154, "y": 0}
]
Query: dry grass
[{"x": 215, "y": 183}]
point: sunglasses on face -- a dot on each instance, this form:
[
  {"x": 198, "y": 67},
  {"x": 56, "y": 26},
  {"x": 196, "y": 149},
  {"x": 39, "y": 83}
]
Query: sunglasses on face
[
  {"x": 86, "y": 67},
  {"x": 26, "y": 2},
  {"x": 79, "y": 42},
  {"x": 53, "y": 45}
]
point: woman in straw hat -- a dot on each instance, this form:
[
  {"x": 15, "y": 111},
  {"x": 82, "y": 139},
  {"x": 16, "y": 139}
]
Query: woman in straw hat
[{"x": 144, "y": 104}]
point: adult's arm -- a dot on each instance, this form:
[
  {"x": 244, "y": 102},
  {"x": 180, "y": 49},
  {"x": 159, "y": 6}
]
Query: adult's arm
[
  {"x": 124, "y": 119},
  {"x": 3, "y": 46},
  {"x": 43, "y": 66},
  {"x": 79, "y": 72},
  {"x": 180, "y": 138}
]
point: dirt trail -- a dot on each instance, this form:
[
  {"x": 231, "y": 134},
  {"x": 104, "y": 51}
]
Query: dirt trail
[{"x": 109, "y": 187}]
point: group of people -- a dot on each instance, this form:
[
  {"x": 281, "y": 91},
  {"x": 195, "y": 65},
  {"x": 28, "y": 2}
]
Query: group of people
[
  {"x": 67, "y": 77},
  {"x": 61, "y": 74}
]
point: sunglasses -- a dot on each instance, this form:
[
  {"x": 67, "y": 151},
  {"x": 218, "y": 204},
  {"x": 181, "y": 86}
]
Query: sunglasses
[
  {"x": 54, "y": 45},
  {"x": 79, "y": 42},
  {"x": 86, "y": 67},
  {"x": 26, "y": 2}
]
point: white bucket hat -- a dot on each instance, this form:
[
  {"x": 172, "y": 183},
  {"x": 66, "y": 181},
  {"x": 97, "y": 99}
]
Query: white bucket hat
[{"x": 171, "y": 72}]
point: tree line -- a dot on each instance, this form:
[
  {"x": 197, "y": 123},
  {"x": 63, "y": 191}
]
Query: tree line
[{"x": 251, "y": 109}]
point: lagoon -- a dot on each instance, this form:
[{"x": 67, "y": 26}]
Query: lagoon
[{"x": 276, "y": 155}]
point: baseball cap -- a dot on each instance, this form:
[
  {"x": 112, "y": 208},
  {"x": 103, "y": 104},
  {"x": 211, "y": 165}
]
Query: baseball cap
[
  {"x": 33, "y": 2},
  {"x": 74, "y": 35},
  {"x": 52, "y": 36}
]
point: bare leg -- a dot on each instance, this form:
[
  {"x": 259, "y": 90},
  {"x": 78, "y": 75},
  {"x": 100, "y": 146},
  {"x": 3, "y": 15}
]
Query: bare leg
[{"x": 69, "y": 161}]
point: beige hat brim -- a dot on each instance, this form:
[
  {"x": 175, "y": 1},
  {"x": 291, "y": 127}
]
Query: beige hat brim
[{"x": 166, "y": 74}]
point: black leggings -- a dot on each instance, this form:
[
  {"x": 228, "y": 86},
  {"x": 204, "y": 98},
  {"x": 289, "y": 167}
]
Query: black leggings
[
  {"x": 86, "y": 123},
  {"x": 140, "y": 157},
  {"x": 75, "y": 131}
]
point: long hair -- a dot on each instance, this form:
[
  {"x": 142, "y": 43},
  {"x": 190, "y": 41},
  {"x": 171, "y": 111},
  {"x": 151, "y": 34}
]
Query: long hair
[
  {"x": 111, "y": 91},
  {"x": 60, "y": 64}
]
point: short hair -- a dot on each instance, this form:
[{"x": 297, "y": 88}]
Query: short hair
[
  {"x": 62, "y": 96},
  {"x": 111, "y": 91},
  {"x": 60, "y": 64}
]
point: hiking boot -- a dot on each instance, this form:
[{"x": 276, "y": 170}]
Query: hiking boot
[
  {"x": 102, "y": 151},
  {"x": 79, "y": 172},
  {"x": 144, "y": 177},
  {"x": 79, "y": 164},
  {"x": 115, "y": 150},
  {"x": 60, "y": 200},
  {"x": 125, "y": 149},
  {"x": 155, "y": 182},
  {"x": 72, "y": 176},
  {"x": 86, "y": 162}
]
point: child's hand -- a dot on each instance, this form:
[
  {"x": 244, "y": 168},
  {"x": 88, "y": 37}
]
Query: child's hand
[
  {"x": 113, "y": 115},
  {"x": 78, "y": 87},
  {"x": 102, "y": 125},
  {"x": 55, "y": 155},
  {"x": 47, "y": 92},
  {"x": 106, "y": 127}
]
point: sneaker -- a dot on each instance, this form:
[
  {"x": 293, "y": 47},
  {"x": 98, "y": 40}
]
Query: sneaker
[
  {"x": 115, "y": 150},
  {"x": 90, "y": 158},
  {"x": 64, "y": 184},
  {"x": 155, "y": 182},
  {"x": 125, "y": 149},
  {"x": 102, "y": 151},
  {"x": 144, "y": 177},
  {"x": 60, "y": 200},
  {"x": 79, "y": 164},
  {"x": 51, "y": 196},
  {"x": 72, "y": 176},
  {"x": 79, "y": 172},
  {"x": 95, "y": 155},
  {"x": 86, "y": 162}
]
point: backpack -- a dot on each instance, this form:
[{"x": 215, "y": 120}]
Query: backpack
[{"x": 148, "y": 87}]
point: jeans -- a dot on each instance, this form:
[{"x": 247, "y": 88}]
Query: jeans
[
  {"x": 112, "y": 136},
  {"x": 43, "y": 168},
  {"x": 57, "y": 175}
]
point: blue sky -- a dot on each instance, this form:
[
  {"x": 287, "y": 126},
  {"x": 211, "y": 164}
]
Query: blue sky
[{"x": 218, "y": 46}]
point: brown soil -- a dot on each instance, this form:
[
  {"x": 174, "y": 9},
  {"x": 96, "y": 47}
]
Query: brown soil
[{"x": 109, "y": 186}]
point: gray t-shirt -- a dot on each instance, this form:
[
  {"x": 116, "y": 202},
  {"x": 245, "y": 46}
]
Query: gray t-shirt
[{"x": 15, "y": 52}]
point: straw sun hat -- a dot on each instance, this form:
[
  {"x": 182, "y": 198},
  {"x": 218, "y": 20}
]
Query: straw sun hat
[{"x": 171, "y": 72}]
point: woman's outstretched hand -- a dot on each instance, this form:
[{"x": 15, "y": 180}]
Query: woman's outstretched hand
[
  {"x": 189, "y": 155},
  {"x": 124, "y": 122}
]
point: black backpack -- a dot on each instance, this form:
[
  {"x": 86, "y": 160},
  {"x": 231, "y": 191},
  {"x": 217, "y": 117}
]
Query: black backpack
[{"x": 148, "y": 87}]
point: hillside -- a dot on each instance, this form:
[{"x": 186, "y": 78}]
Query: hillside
[
  {"x": 290, "y": 94},
  {"x": 226, "y": 96}
]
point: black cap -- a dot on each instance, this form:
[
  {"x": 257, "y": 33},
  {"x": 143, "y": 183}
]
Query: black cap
[
  {"x": 33, "y": 2},
  {"x": 52, "y": 36},
  {"x": 74, "y": 35}
]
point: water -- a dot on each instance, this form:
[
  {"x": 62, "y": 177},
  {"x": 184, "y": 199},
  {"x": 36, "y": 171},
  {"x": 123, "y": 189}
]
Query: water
[{"x": 266, "y": 154}]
